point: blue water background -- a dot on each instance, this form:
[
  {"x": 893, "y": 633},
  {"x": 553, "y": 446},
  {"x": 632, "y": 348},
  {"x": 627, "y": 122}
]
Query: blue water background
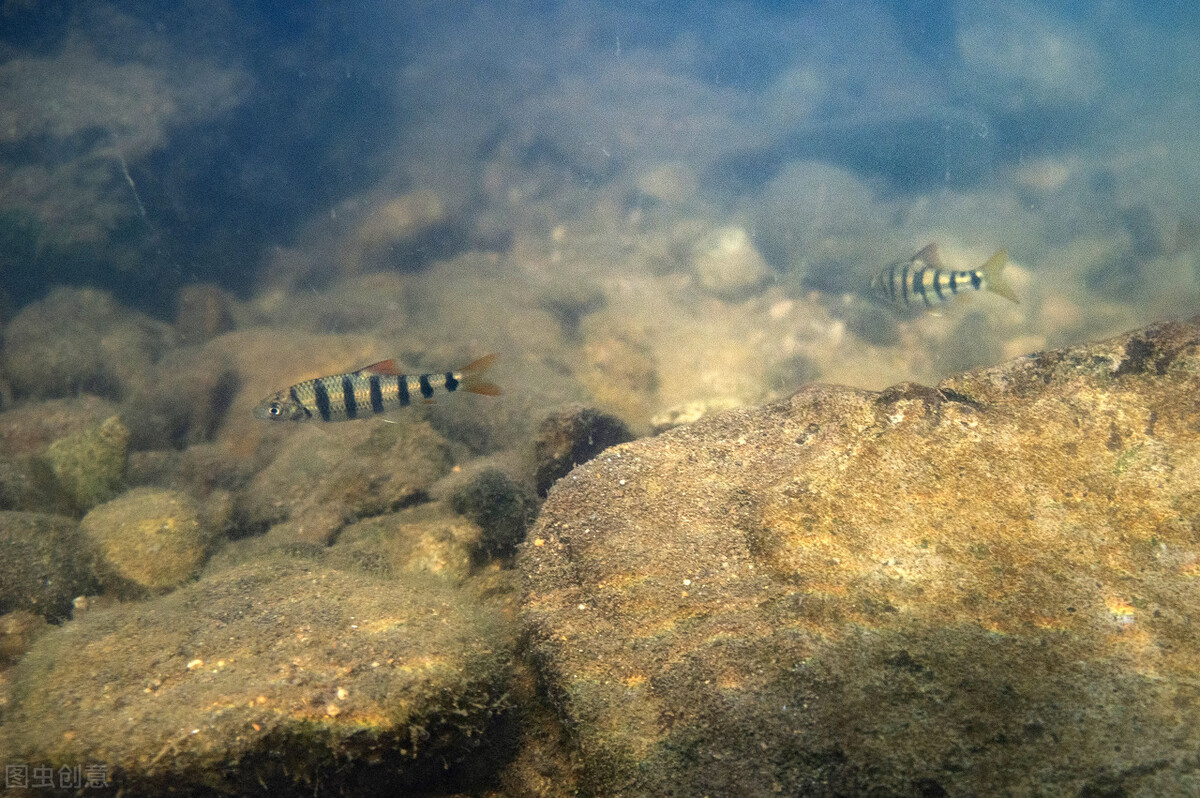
[{"x": 1030, "y": 126}]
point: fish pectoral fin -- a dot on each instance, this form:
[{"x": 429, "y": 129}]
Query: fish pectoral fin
[
  {"x": 384, "y": 368},
  {"x": 929, "y": 255}
]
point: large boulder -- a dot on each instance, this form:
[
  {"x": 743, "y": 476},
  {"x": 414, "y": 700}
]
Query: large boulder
[
  {"x": 987, "y": 587},
  {"x": 266, "y": 676}
]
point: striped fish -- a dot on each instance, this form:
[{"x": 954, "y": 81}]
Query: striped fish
[
  {"x": 375, "y": 389},
  {"x": 923, "y": 280}
]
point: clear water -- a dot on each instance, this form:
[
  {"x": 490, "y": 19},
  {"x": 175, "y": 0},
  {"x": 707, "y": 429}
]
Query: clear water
[{"x": 645, "y": 206}]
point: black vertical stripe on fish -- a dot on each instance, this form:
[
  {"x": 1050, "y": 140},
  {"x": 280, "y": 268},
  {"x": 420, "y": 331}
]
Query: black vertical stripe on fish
[
  {"x": 348, "y": 398},
  {"x": 937, "y": 285},
  {"x": 923, "y": 275},
  {"x": 376, "y": 394},
  {"x": 296, "y": 398},
  {"x": 322, "y": 396},
  {"x": 919, "y": 284}
]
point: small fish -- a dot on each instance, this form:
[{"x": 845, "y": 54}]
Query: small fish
[
  {"x": 923, "y": 279},
  {"x": 375, "y": 389}
]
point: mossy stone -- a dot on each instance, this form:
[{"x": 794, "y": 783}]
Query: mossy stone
[
  {"x": 89, "y": 465},
  {"x": 293, "y": 673},
  {"x": 151, "y": 540}
]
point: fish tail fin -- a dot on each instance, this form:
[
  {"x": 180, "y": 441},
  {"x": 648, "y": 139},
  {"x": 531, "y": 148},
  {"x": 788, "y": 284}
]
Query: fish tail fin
[
  {"x": 473, "y": 381},
  {"x": 994, "y": 277}
]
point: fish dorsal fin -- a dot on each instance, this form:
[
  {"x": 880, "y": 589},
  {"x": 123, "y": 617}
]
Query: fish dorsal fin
[
  {"x": 384, "y": 368},
  {"x": 929, "y": 255}
]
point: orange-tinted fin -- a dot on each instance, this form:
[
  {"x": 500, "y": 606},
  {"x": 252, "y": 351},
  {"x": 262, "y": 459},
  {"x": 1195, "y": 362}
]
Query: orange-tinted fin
[
  {"x": 384, "y": 368},
  {"x": 929, "y": 254},
  {"x": 476, "y": 385},
  {"x": 473, "y": 380},
  {"x": 482, "y": 364}
]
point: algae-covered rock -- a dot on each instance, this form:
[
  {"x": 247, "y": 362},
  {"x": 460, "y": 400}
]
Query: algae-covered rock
[
  {"x": 150, "y": 540},
  {"x": 26, "y": 480},
  {"x": 202, "y": 312},
  {"x": 325, "y": 476},
  {"x": 199, "y": 469},
  {"x": 426, "y": 539},
  {"x": 18, "y": 630},
  {"x": 382, "y": 237},
  {"x": 89, "y": 464},
  {"x": 619, "y": 368},
  {"x": 80, "y": 339},
  {"x": 184, "y": 402},
  {"x": 690, "y": 412},
  {"x": 270, "y": 675},
  {"x": 29, "y": 428},
  {"x": 502, "y": 509},
  {"x": 570, "y": 437},
  {"x": 44, "y": 563},
  {"x": 987, "y": 587}
]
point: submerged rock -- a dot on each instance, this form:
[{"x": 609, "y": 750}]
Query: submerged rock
[
  {"x": 18, "y": 630},
  {"x": 391, "y": 228},
  {"x": 728, "y": 265},
  {"x": 27, "y": 482},
  {"x": 502, "y": 508},
  {"x": 426, "y": 539},
  {"x": 150, "y": 540},
  {"x": 987, "y": 586},
  {"x": 570, "y": 437},
  {"x": 619, "y": 369},
  {"x": 88, "y": 465},
  {"x": 80, "y": 339},
  {"x": 266, "y": 676},
  {"x": 326, "y": 476},
  {"x": 44, "y": 564},
  {"x": 185, "y": 401},
  {"x": 690, "y": 412},
  {"x": 202, "y": 312}
]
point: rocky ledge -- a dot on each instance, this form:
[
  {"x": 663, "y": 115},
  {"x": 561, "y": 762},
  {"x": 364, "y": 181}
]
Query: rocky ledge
[{"x": 988, "y": 586}]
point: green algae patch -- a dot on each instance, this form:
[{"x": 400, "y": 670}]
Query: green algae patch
[
  {"x": 269, "y": 673},
  {"x": 88, "y": 465},
  {"x": 150, "y": 540}
]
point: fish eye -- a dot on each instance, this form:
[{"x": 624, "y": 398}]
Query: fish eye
[{"x": 275, "y": 409}]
